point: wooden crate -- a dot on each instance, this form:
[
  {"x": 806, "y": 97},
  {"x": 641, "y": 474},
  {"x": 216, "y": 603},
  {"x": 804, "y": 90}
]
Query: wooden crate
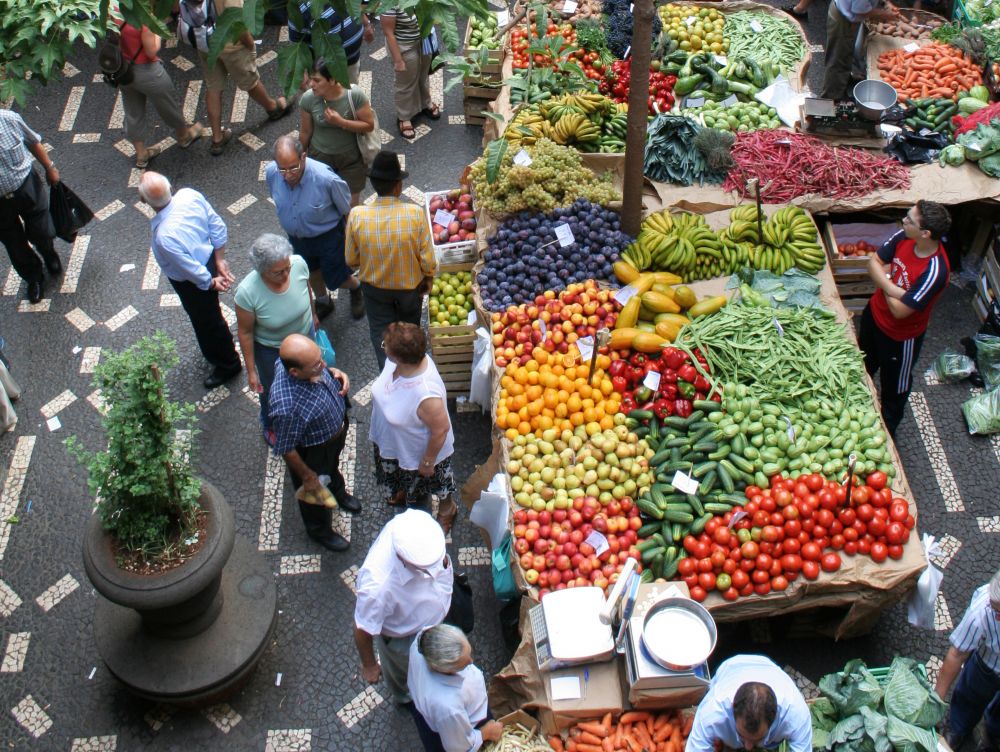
[
  {"x": 477, "y": 90},
  {"x": 851, "y": 272},
  {"x": 494, "y": 64},
  {"x": 452, "y": 347},
  {"x": 474, "y": 109}
]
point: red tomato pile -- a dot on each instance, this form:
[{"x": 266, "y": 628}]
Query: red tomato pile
[
  {"x": 519, "y": 44},
  {"x": 553, "y": 548},
  {"x": 861, "y": 248},
  {"x": 661, "y": 86},
  {"x": 590, "y": 63},
  {"x": 788, "y": 530}
]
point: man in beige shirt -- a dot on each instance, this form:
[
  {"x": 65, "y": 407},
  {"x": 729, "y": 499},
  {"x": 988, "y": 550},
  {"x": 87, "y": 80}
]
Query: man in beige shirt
[{"x": 237, "y": 59}]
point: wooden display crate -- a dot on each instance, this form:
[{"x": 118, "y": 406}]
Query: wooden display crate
[
  {"x": 494, "y": 58},
  {"x": 474, "y": 108},
  {"x": 851, "y": 272},
  {"x": 452, "y": 347}
]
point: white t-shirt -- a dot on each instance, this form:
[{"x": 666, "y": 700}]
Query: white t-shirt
[{"x": 396, "y": 428}]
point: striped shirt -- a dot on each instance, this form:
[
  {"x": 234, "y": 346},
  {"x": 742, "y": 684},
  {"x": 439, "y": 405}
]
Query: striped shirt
[
  {"x": 389, "y": 243},
  {"x": 15, "y": 159},
  {"x": 407, "y": 29},
  {"x": 350, "y": 31},
  {"x": 979, "y": 630}
]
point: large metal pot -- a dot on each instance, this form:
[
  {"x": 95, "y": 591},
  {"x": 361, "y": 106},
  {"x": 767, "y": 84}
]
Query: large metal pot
[
  {"x": 873, "y": 98},
  {"x": 679, "y": 633}
]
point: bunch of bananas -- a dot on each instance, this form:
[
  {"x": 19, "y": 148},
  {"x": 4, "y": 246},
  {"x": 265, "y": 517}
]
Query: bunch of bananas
[
  {"x": 588, "y": 122},
  {"x": 680, "y": 243},
  {"x": 788, "y": 239}
]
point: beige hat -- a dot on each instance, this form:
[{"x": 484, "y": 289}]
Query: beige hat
[{"x": 418, "y": 538}]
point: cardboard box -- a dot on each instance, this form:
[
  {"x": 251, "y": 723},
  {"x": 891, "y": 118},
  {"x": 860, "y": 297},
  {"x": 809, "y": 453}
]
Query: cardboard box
[{"x": 601, "y": 690}]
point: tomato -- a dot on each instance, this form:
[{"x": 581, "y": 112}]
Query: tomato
[
  {"x": 771, "y": 533},
  {"x": 717, "y": 559},
  {"x": 779, "y": 583},
  {"x": 792, "y": 528},
  {"x": 846, "y": 516},
  {"x": 768, "y": 505},
  {"x": 752, "y": 491},
  {"x": 704, "y": 565},
  {"x": 760, "y": 575},
  {"x": 749, "y": 550},
  {"x": 801, "y": 490},
  {"x": 707, "y": 580},
  {"x": 877, "y": 480},
  {"x": 740, "y": 579},
  {"x": 899, "y": 510},
  {"x": 895, "y": 552},
  {"x": 810, "y": 570},
  {"x": 731, "y": 594},
  {"x": 830, "y": 562},
  {"x": 701, "y": 550},
  {"x": 865, "y": 512},
  {"x": 761, "y": 518},
  {"x": 723, "y": 582},
  {"x": 814, "y": 481},
  {"x": 850, "y": 535},
  {"x": 827, "y": 499},
  {"x": 850, "y": 547},
  {"x": 879, "y": 551},
  {"x": 896, "y": 533},
  {"x": 762, "y": 588},
  {"x": 722, "y": 535},
  {"x": 691, "y": 581},
  {"x": 864, "y": 546},
  {"x": 783, "y": 498},
  {"x": 729, "y": 566},
  {"x": 837, "y": 541},
  {"x": 710, "y": 527},
  {"x": 791, "y": 546},
  {"x": 791, "y": 563},
  {"x": 877, "y": 526},
  {"x": 698, "y": 593},
  {"x": 910, "y": 521},
  {"x": 763, "y": 561}
]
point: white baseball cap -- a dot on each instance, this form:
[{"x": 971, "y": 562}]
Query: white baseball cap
[{"x": 418, "y": 538}]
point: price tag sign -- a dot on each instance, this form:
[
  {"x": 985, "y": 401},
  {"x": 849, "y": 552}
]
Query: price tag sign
[
  {"x": 625, "y": 294},
  {"x": 631, "y": 6},
  {"x": 730, "y": 101},
  {"x": 522, "y": 158},
  {"x": 690, "y": 20},
  {"x": 911, "y": 47},
  {"x": 564, "y": 235},
  {"x": 779, "y": 327},
  {"x": 443, "y": 218},
  {"x": 652, "y": 381},
  {"x": 721, "y": 59},
  {"x": 791, "y": 428},
  {"x": 586, "y": 347},
  {"x": 628, "y": 51},
  {"x": 598, "y": 541},
  {"x": 503, "y": 18},
  {"x": 755, "y": 25},
  {"x": 694, "y": 101},
  {"x": 569, "y": 6},
  {"x": 736, "y": 518},
  {"x": 684, "y": 482}
]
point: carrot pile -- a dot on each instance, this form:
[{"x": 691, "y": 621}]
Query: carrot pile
[
  {"x": 789, "y": 165},
  {"x": 935, "y": 70},
  {"x": 635, "y": 731}
]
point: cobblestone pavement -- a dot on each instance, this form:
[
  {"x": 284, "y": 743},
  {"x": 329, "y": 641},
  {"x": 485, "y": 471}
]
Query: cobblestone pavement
[{"x": 306, "y": 693}]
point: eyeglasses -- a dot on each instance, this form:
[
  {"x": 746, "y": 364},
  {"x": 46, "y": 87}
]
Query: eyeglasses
[
  {"x": 907, "y": 220},
  {"x": 290, "y": 170},
  {"x": 279, "y": 272}
]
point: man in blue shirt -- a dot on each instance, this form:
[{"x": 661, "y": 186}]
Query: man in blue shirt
[
  {"x": 309, "y": 417},
  {"x": 843, "y": 23},
  {"x": 189, "y": 244},
  {"x": 751, "y": 703},
  {"x": 312, "y": 202}
]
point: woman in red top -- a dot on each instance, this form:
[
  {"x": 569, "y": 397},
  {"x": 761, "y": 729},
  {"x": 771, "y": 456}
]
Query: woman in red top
[
  {"x": 152, "y": 83},
  {"x": 910, "y": 271}
]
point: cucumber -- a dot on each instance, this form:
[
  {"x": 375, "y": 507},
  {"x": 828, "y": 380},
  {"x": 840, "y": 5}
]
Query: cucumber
[
  {"x": 651, "y": 553},
  {"x": 725, "y": 478},
  {"x": 650, "y": 509},
  {"x": 703, "y": 469},
  {"x": 708, "y": 482},
  {"x": 647, "y": 530},
  {"x": 685, "y": 518},
  {"x": 695, "y": 503},
  {"x": 717, "y": 507},
  {"x": 641, "y": 415},
  {"x": 709, "y": 406}
]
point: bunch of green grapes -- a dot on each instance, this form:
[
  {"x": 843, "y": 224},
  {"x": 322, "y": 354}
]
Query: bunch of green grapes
[{"x": 555, "y": 177}]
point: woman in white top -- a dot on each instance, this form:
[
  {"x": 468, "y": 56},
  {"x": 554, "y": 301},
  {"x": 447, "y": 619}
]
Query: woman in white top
[
  {"x": 410, "y": 428},
  {"x": 449, "y": 693}
]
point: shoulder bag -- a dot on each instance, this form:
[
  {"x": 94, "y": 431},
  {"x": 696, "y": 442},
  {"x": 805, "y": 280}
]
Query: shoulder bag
[{"x": 368, "y": 143}]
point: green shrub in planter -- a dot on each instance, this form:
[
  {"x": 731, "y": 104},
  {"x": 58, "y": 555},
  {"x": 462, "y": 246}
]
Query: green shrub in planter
[{"x": 144, "y": 482}]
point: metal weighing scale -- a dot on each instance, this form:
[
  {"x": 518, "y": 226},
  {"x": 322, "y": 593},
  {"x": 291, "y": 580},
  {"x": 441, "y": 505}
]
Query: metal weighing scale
[{"x": 831, "y": 118}]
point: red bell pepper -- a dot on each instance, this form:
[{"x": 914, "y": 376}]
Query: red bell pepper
[
  {"x": 619, "y": 383},
  {"x": 683, "y": 408},
  {"x": 663, "y": 408},
  {"x": 617, "y": 367},
  {"x": 668, "y": 375},
  {"x": 669, "y": 391},
  {"x": 688, "y": 373},
  {"x": 638, "y": 359},
  {"x": 686, "y": 389},
  {"x": 627, "y": 404},
  {"x": 701, "y": 384},
  {"x": 674, "y": 358}
]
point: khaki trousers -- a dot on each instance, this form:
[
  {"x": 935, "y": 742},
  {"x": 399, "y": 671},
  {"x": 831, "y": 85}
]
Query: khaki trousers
[{"x": 413, "y": 86}]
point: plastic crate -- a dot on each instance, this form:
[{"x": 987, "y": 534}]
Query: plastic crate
[
  {"x": 960, "y": 14},
  {"x": 448, "y": 253},
  {"x": 882, "y": 674}
]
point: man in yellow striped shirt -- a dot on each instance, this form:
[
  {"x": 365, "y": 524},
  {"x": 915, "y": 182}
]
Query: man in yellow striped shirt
[{"x": 389, "y": 243}]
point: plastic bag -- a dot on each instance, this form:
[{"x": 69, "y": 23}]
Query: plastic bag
[
  {"x": 69, "y": 213},
  {"x": 481, "y": 389},
  {"x": 951, "y": 366},
  {"x": 921, "y": 606},
  {"x": 503, "y": 576},
  {"x": 982, "y": 413},
  {"x": 988, "y": 358}
]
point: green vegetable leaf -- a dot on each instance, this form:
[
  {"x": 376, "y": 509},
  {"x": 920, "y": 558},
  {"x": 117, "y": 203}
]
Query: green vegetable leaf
[
  {"x": 495, "y": 152},
  {"x": 294, "y": 60},
  {"x": 910, "y": 697},
  {"x": 253, "y": 15},
  {"x": 906, "y": 737}
]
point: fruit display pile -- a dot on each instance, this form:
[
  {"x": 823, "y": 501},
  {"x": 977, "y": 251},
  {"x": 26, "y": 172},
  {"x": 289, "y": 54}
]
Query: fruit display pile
[
  {"x": 459, "y": 205},
  {"x": 450, "y": 300},
  {"x": 588, "y": 122}
]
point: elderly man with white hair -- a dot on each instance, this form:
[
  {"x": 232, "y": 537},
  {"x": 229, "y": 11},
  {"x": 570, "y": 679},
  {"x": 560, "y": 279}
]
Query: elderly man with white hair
[
  {"x": 403, "y": 587},
  {"x": 189, "y": 244},
  {"x": 449, "y": 693},
  {"x": 974, "y": 657}
]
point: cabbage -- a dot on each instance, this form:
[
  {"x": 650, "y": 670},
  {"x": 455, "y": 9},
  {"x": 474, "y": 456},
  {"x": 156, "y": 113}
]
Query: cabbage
[
  {"x": 910, "y": 697},
  {"x": 952, "y": 155},
  {"x": 906, "y": 737},
  {"x": 851, "y": 689},
  {"x": 990, "y": 165}
]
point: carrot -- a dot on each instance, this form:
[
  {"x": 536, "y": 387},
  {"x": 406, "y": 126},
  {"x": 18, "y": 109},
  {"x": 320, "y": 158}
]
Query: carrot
[
  {"x": 619, "y": 733},
  {"x": 688, "y": 723},
  {"x": 556, "y": 743},
  {"x": 606, "y": 721},
  {"x": 669, "y": 747},
  {"x": 588, "y": 748},
  {"x": 597, "y": 729},
  {"x": 570, "y": 745},
  {"x": 606, "y": 745},
  {"x": 664, "y": 732},
  {"x": 633, "y": 716},
  {"x": 633, "y": 745},
  {"x": 586, "y": 737},
  {"x": 643, "y": 736},
  {"x": 661, "y": 720}
]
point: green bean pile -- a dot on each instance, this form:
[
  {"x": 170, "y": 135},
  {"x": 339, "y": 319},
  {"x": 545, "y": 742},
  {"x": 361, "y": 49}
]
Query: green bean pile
[{"x": 779, "y": 41}]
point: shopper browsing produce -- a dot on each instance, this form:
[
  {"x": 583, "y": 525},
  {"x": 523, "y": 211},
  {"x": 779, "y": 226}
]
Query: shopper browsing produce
[
  {"x": 975, "y": 652},
  {"x": 751, "y": 703},
  {"x": 842, "y": 24},
  {"x": 910, "y": 270}
]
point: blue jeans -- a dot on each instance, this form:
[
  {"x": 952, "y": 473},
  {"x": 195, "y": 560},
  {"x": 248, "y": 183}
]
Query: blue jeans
[{"x": 975, "y": 693}]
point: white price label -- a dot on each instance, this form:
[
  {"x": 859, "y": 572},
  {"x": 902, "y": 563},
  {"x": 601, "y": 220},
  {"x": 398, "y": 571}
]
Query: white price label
[
  {"x": 730, "y": 101},
  {"x": 779, "y": 327},
  {"x": 626, "y": 294},
  {"x": 684, "y": 482},
  {"x": 569, "y": 6},
  {"x": 652, "y": 381},
  {"x": 791, "y": 428},
  {"x": 586, "y": 347},
  {"x": 911, "y": 47},
  {"x": 598, "y": 541},
  {"x": 628, "y": 50},
  {"x": 565, "y": 235},
  {"x": 631, "y": 7},
  {"x": 522, "y": 158},
  {"x": 721, "y": 59},
  {"x": 690, "y": 20},
  {"x": 755, "y": 25},
  {"x": 443, "y": 218},
  {"x": 694, "y": 101},
  {"x": 736, "y": 518},
  {"x": 542, "y": 328},
  {"x": 503, "y": 18}
]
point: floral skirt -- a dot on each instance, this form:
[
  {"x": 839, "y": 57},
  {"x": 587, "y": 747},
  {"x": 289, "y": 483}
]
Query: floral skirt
[{"x": 391, "y": 479}]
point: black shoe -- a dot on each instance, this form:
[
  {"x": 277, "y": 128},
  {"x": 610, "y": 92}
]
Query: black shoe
[
  {"x": 324, "y": 309},
  {"x": 357, "y": 304},
  {"x": 348, "y": 503},
  {"x": 35, "y": 291},
  {"x": 54, "y": 265},
  {"x": 332, "y": 542},
  {"x": 219, "y": 376}
]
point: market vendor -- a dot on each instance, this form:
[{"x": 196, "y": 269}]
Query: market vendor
[
  {"x": 751, "y": 703},
  {"x": 910, "y": 271},
  {"x": 843, "y": 21},
  {"x": 975, "y": 652}
]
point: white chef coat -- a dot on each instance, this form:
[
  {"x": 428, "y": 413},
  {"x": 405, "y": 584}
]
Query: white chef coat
[{"x": 451, "y": 704}]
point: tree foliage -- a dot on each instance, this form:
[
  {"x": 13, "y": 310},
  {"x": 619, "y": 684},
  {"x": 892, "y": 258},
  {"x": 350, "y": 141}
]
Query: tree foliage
[{"x": 145, "y": 484}]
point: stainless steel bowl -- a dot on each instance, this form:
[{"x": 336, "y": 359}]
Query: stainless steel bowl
[
  {"x": 679, "y": 633},
  {"x": 873, "y": 98}
]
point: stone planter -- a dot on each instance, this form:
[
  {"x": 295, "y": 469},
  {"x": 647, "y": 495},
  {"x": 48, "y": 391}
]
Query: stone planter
[{"x": 192, "y": 635}]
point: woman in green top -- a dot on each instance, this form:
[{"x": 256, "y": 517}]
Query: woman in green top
[
  {"x": 272, "y": 302},
  {"x": 329, "y": 126}
]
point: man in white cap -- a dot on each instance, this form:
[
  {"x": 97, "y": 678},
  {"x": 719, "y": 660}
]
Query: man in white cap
[{"x": 403, "y": 587}]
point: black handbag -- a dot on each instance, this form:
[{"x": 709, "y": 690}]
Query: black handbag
[
  {"x": 460, "y": 613},
  {"x": 69, "y": 213}
]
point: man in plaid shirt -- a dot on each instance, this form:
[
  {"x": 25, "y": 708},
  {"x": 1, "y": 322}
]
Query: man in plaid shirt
[
  {"x": 309, "y": 417},
  {"x": 389, "y": 243}
]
